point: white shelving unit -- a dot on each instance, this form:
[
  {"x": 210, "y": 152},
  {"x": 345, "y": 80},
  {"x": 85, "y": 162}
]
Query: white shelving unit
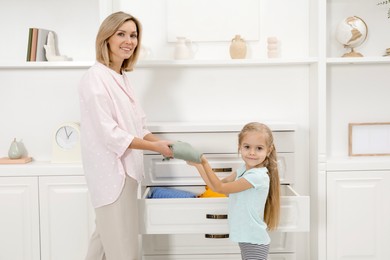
[{"x": 354, "y": 92}]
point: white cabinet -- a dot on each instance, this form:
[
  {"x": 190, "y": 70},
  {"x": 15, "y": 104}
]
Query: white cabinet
[
  {"x": 45, "y": 218},
  {"x": 358, "y": 205},
  {"x": 348, "y": 90},
  {"x": 197, "y": 228},
  {"x": 19, "y": 225},
  {"x": 66, "y": 217}
]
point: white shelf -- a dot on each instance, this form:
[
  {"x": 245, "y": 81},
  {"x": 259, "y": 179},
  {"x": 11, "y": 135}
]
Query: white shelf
[
  {"x": 226, "y": 63},
  {"x": 46, "y": 65},
  {"x": 163, "y": 63},
  {"x": 362, "y": 60}
]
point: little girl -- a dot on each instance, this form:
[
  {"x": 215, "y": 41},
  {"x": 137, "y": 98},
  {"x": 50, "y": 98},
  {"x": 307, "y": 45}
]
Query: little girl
[{"x": 254, "y": 196}]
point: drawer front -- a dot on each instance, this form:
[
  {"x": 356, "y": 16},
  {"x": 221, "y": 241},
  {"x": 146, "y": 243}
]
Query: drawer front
[
  {"x": 183, "y": 216},
  {"x": 181, "y": 244},
  {"x": 178, "y": 172},
  {"x": 289, "y": 256},
  {"x": 193, "y": 257},
  {"x": 226, "y": 142},
  {"x": 195, "y": 215}
]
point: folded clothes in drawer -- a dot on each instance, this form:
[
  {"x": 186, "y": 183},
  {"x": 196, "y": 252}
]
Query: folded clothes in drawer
[
  {"x": 164, "y": 193},
  {"x": 172, "y": 193}
]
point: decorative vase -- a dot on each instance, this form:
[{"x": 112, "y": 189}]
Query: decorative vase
[
  {"x": 15, "y": 151},
  {"x": 238, "y": 48},
  {"x": 184, "y": 49}
]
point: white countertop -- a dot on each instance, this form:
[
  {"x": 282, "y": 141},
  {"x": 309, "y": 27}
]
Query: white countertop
[
  {"x": 46, "y": 168},
  {"x": 213, "y": 126},
  {"x": 358, "y": 163}
]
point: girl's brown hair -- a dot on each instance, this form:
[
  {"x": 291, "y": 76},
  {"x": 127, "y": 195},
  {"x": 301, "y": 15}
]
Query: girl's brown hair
[
  {"x": 272, "y": 205},
  {"x": 108, "y": 27}
]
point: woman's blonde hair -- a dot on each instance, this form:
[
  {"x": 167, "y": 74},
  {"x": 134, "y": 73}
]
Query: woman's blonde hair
[
  {"x": 272, "y": 205},
  {"x": 108, "y": 27}
]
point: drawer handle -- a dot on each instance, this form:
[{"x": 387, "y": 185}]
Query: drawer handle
[
  {"x": 216, "y": 216},
  {"x": 216, "y": 236},
  {"x": 222, "y": 169}
]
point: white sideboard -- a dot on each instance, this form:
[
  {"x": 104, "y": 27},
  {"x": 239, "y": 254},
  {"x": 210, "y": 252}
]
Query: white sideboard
[
  {"x": 197, "y": 228},
  {"x": 46, "y": 212}
]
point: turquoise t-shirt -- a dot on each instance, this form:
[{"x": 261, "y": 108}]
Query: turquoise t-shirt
[{"x": 246, "y": 208}]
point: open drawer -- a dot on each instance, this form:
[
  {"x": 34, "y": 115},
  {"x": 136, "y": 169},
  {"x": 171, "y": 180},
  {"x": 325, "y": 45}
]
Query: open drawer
[
  {"x": 176, "y": 172},
  {"x": 209, "y": 215}
]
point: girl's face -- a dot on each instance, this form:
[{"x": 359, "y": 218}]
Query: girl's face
[
  {"x": 123, "y": 43},
  {"x": 254, "y": 149}
]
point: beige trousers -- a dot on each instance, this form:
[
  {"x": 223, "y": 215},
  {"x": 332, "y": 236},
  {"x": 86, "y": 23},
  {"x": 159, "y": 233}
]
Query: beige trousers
[{"x": 116, "y": 233}]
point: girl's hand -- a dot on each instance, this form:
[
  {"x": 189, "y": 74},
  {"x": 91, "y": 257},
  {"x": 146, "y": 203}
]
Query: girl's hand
[
  {"x": 198, "y": 165},
  {"x": 203, "y": 159},
  {"x": 192, "y": 163}
]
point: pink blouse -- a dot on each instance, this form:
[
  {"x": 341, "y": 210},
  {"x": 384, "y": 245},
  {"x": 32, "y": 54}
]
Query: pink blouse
[{"x": 110, "y": 119}]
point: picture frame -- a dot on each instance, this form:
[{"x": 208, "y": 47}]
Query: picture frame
[{"x": 369, "y": 139}]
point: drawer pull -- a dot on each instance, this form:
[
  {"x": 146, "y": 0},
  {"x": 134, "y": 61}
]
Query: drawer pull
[
  {"x": 222, "y": 169},
  {"x": 216, "y": 216},
  {"x": 216, "y": 236}
]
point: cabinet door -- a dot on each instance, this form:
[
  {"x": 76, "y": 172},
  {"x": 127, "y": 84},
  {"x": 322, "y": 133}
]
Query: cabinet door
[
  {"x": 358, "y": 213},
  {"x": 19, "y": 225},
  {"x": 67, "y": 217}
]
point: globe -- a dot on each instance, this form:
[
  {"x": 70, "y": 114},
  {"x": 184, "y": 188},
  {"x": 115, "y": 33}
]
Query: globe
[{"x": 352, "y": 32}]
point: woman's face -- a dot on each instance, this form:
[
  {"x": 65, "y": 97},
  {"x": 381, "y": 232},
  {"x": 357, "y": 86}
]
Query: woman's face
[
  {"x": 254, "y": 149},
  {"x": 123, "y": 43}
]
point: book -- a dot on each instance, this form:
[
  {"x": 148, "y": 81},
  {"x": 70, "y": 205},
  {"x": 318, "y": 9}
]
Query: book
[
  {"x": 30, "y": 32},
  {"x": 37, "y": 39},
  {"x": 33, "y": 54}
]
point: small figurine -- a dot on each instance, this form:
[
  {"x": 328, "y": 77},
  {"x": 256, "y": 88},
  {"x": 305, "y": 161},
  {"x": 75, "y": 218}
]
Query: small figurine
[
  {"x": 273, "y": 47},
  {"x": 51, "y": 50}
]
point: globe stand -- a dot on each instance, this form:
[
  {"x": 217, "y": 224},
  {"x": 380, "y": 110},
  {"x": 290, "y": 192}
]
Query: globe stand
[{"x": 352, "y": 53}]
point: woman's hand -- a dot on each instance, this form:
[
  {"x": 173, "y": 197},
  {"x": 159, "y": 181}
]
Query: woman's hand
[{"x": 162, "y": 147}]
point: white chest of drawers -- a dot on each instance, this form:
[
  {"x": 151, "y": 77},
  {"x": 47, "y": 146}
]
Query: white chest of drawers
[{"x": 197, "y": 228}]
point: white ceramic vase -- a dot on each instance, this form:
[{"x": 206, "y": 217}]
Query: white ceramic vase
[
  {"x": 237, "y": 48},
  {"x": 15, "y": 150},
  {"x": 184, "y": 49}
]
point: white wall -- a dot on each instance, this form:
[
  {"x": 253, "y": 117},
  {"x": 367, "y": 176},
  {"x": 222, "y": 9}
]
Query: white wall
[
  {"x": 74, "y": 22},
  {"x": 34, "y": 102},
  {"x": 284, "y": 22}
]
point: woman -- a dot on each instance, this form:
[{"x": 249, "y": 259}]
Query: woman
[{"x": 114, "y": 136}]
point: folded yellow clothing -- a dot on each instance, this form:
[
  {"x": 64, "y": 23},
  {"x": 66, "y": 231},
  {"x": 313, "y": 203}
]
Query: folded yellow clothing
[{"x": 210, "y": 193}]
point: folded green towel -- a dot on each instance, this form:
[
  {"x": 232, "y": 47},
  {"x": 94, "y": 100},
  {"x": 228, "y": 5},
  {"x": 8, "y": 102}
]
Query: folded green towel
[{"x": 184, "y": 151}]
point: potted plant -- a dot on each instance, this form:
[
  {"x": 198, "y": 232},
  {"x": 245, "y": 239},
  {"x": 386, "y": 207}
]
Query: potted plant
[{"x": 385, "y": 3}]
